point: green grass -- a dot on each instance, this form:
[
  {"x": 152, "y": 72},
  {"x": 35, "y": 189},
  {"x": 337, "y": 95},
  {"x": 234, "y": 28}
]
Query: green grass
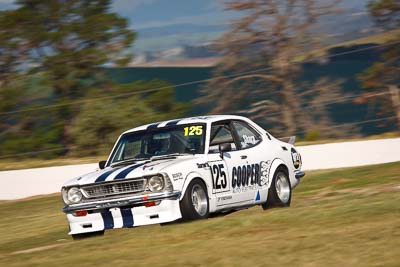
[{"x": 348, "y": 217}]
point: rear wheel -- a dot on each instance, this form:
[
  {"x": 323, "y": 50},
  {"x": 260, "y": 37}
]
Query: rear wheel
[
  {"x": 195, "y": 204},
  {"x": 87, "y": 235},
  {"x": 280, "y": 191}
]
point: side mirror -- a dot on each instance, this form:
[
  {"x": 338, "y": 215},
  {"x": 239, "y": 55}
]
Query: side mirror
[
  {"x": 225, "y": 147},
  {"x": 102, "y": 164}
]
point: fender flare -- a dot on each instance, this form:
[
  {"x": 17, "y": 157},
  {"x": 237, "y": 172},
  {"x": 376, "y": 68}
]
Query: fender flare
[
  {"x": 274, "y": 165},
  {"x": 189, "y": 178}
]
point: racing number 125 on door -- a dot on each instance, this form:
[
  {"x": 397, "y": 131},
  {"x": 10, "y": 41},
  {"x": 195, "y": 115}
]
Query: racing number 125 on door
[{"x": 220, "y": 181}]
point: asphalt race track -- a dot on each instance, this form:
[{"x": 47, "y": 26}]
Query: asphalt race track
[{"x": 19, "y": 184}]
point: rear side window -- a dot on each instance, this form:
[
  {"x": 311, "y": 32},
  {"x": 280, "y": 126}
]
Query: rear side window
[{"x": 248, "y": 137}]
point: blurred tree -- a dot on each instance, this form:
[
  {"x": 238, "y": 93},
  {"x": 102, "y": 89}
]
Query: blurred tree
[
  {"x": 33, "y": 130},
  {"x": 13, "y": 49},
  {"x": 69, "y": 40},
  {"x": 66, "y": 42},
  {"x": 53, "y": 52},
  {"x": 272, "y": 35},
  {"x": 382, "y": 79},
  {"x": 12, "y": 53},
  {"x": 96, "y": 128}
]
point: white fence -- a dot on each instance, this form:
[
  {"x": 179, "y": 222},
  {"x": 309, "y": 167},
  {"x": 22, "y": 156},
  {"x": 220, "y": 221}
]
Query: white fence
[{"x": 30, "y": 182}]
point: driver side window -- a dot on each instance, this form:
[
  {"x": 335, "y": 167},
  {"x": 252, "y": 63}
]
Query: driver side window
[{"x": 220, "y": 134}]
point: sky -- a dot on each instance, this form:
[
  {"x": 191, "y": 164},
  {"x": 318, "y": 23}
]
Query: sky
[
  {"x": 150, "y": 14},
  {"x": 181, "y": 18},
  {"x": 159, "y": 13},
  {"x": 6, "y": 4},
  {"x": 144, "y": 14},
  {"x": 165, "y": 24}
]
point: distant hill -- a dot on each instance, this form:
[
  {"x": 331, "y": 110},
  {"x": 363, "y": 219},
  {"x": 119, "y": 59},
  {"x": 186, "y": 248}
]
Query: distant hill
[
  {"x": 180, "y": 28},
  {"x": 352, "y": 22},
  {"x": 204, "y": 55},
  {"x": 345, "y": 68}
]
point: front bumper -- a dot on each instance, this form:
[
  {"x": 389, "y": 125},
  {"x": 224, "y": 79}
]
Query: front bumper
[
  {"x": 122, "y": 202},
  {"x": 124, "y": 212},
  {"x": 299, "y": 174}
]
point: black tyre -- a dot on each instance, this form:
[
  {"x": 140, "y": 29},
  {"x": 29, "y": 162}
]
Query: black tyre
[
  {"x": 195, "y": 204},
  {"x": 280, "y": 191},
  {"x": 87, "y": 235}
]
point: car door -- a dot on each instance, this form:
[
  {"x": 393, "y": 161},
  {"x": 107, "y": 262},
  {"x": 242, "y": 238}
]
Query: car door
[
  {"x": 220, "y": 172},
  {"x": 250, "y": 180},
  {"x": 230, "y": 168}
]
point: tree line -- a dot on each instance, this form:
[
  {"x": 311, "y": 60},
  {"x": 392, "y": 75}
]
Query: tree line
[
  {"x": 274, "y": 36},
  {"x": 54, "y": 53}
]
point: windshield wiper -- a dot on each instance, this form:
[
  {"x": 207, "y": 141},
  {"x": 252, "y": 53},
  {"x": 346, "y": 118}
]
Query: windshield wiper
[
  {"x": 128, "y": 161},
  {"x": 134, "y": 160},
  {"x": 173, "y": 155}
]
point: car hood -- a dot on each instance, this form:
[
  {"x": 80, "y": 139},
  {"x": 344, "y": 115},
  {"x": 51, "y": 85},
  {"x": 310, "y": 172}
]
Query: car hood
[{"x": 134, "y": 170}]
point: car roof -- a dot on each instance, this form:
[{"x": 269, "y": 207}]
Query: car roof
[{"x": 198, "y": 119}]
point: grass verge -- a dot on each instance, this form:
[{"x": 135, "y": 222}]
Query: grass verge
[{"x": 348, "y": 217}]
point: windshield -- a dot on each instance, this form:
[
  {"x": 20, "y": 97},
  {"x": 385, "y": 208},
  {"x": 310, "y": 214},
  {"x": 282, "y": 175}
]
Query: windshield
[{"x": 177, "y": 139}]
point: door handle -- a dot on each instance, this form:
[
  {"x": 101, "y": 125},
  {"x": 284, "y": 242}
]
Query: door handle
[{"x": 243, "y": 157}]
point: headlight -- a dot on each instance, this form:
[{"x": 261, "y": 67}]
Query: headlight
[
  {"x": 72, "y": 195},
  {"x": 156, "y": 183}
]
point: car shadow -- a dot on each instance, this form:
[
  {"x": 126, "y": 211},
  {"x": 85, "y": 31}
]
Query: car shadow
[{"x": 211, "y": 216}]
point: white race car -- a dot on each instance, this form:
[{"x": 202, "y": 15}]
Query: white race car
[{"x": 186, "y": 168}]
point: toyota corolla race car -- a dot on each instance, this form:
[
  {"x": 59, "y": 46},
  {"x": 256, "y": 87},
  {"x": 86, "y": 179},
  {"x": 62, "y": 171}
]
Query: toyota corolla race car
[{"x": 186, "y": 168}]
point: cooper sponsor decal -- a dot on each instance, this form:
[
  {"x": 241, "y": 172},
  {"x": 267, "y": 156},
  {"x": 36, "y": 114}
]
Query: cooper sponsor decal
[{"x": 250, "y": 177}]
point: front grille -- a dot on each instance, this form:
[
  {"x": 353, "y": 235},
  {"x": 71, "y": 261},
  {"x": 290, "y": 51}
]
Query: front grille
[{"x": 111, "y": 189}]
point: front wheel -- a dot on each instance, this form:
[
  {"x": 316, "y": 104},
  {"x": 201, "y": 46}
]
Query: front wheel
[
  {"x": 280, "y": 191},
  {"x": 195, "y": 204}
]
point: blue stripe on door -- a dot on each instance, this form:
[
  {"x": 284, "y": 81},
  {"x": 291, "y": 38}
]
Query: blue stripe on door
[
  {"x": 127, "y": 217},
  {"x": 125, "y": 172},
  {"x": 108, "y": 219}
]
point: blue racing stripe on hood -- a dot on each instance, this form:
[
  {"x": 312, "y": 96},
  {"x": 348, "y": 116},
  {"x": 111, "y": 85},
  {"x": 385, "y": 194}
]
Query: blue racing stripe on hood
[
  {"x": 153, "y": 126},
  {"x": 174, "y": 122},
  {"x": 104, "y": 176},
  {"x": 125, "y": 172}
]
